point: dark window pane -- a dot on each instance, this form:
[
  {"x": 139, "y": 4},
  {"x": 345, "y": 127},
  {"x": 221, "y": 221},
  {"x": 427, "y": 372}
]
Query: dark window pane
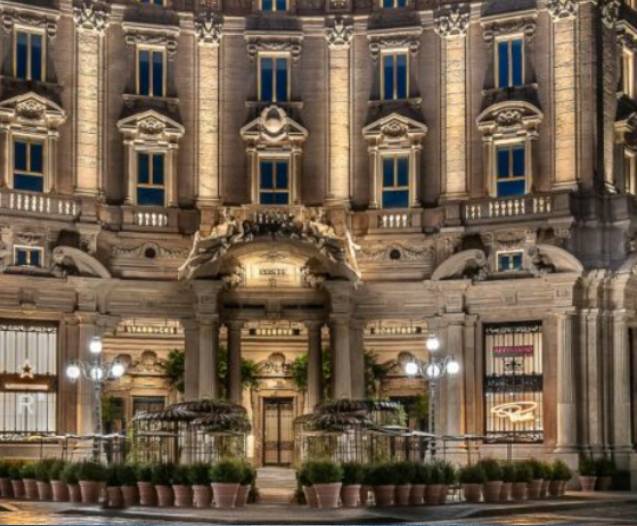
[
  {"x": 388, "y": 172},
  {"x": 503, "y": 262},
  {"x": 517, "y": 61},
  {"x": 503, "y": 64},
  {"x": 388, "y": 3},
  {"x": 388, "y": 65},
  {"x": 22, "y": 55},
  {"x": 395, "y": 199},
  {"x": 503, "y": 163},
  {"x": 281, "y": 175},
  {"x": 36, "y": 57},
  {"x": 401, "y": 76},
  {"x": 281, "y": 198},
  {"x": 518, "y": 161},
  {"x": 158, "y": 168},
  {"x": 280, "y": 5},
  {"x": 511, "y": 188},
  {"x": 281, "y": 80},
  {"x": 20, "y": 155},
  {"x": 402, "y": 3},
  {"x": 158, "y": 74},
  {"x": 144, "y": 73},
  {"x": 37, "y": 161},
  {"x": 28, "y": 183},
  {"x": 267, "y": 5},
  {"x": 35, "y": 258},
  {"x": 21, "y": 256},
  {"x": 267, "y": 175},
  {"x": 266, "y": 79},
  {"x": 150, "y": 196},
  {"x": 143, "y": 172},
  {"x": 517, "y": 261},
  {"x": 403, "y": 171},
  {"x": 267, "y": 198}
]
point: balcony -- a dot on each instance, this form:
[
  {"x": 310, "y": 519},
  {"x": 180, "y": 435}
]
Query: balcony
[
  {"x": 532, "y": 206},
  {"x": 394, "y": 221},
  {"x": 150, "y": 218},
  {"x": 38, "y": 205}
]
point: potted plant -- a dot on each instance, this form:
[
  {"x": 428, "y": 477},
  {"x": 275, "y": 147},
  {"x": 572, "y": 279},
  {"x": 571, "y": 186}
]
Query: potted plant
[
  {"x": 42, "y": 478},
  {"x": 248, "y": 480},
  {"x": 5, "y": 480},
  {"x": 508, "y": 478},
  {"x": 59, "y": 489},
  {"x": 365, "y": 486},
  {"x": 523, "y": 477},
  {"x": 404, "y": 478},
  {"x": 114, "y": 498},
  {"x": 448, "y": 477},
  {"x": 419, "y": 485},
  {"x": 605, "y": 470},
  {"x": 161, "y": 478},
  {"x": 27, "y": 471},
  {"x": 538, "y": 474},
  {"x": 587, "y": 477},
  {"x": 303, "y": 479},
  {"x": 181, "y": 486},
  {"x": 145, "y": 486},
  {"x": 69, "y": 477},
  {"x": 434, "y": 487},
  {"x": 560, "y": 475},
  {"x": 199, "y": 479},
  {"x": 382, "y": 478},
  {"x": 353, "y": 476},
  {"x": 472, "y": 479},
  {"x": 17, "y": 485},
  {"x": 326, "y": 478},
  {"x": 226, "y": 478},
  {"x": 128, "y": 483},
  {"x": 544, "y": 492},
  {"x": 91, "y": 475},
  {"x": 493, "y": 484}
]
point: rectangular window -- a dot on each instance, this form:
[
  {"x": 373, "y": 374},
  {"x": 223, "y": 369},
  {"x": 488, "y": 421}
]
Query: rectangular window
[
  {"x": 27, "y": 256},
  {"x": 154, "y": 2},
  {"x": 274, "y": 5},
  {"x": 273, "y": 79},
  {"x": 150, "y": 72},
  {"x": 628, "y": 72},
  {"x": 510, "y": 63},
  {"x": 510, "y": 171},
  {"x": 388, "y": 4},
  {"x": 150, "y": 179},
  {"x": 513, "y": 385},
  {"x": 29, "y": 55},
  {"x": 396, "y": 182},
  {"x": 509, "y": 261},
  {"x": 28, "y": 378},
  {"x": 630, "y": 172},
  {"x": 274, "y": 182},
  {"x": 394, "y": 76},
  {"x": 148, "y": 404},
  {"x": 28, "y": 166}
]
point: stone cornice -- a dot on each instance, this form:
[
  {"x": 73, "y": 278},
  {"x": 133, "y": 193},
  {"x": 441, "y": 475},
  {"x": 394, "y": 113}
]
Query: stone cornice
[
  {"x": 42, "y": 18},
  {"x": 404, "y": 38}
]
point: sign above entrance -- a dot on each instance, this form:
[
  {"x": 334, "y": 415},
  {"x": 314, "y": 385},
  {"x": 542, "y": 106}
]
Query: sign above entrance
[
  {"x": 508, "y": 351},
  {"x": 272, "y": 270}
]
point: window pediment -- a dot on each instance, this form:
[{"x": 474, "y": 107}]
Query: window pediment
[
  {"x": 524, "y": 23},
  {"x": 269, "y": 43},
  {"x": 274, "y": 127},
  {"x": 45, "y": 19},
  {"x": 151, "y": 35},
  {"x": 395, "y": 130},
  {"x": 151, "y": 126},
  {"x": 510, "y": 119},
  {"x": 32, "y": 110}
]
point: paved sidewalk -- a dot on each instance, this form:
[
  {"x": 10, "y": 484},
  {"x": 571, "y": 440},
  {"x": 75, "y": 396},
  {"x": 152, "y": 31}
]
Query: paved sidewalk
[{"x": 270, "y": 514}]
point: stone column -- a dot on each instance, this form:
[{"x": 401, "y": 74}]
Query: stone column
[
  {"x": 338, "y": 38},
  {"x": 314, "y": 364},
  {"x": 620, "y": 384},
  {"x": 191, "y": 366},
  {"x": 68, "y": 406},
  {"x": 341, "y": 357},
  {"x": 451, "y": 24},
  {"x": 90, "y": 20},
  {"x": 566, "y": 407},
  {"x": 208, "y": 348},
  {"x": 592, "y": 410},
  {"x": 455, "y": 384},
  {"x": 469, "y": 374},
  {"x": 357, "y": 357},
  {"x": 235, "y": 389},
  {"x": 208, "y": 29}
]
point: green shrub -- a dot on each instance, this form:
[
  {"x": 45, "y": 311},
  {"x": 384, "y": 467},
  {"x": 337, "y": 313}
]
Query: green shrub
[
  {"x": 422, "y": 474},
  {"x": 448, "y": 474},
  {"x": 523, "y": 472},
  {"x": 127, "y": 475},
  {"x": 508, "y": 472},
  {"x": 324, "y": 472},
  {"x": 55, "y": 472},
  {"x": 43, "y": 469},
  {"x": 15, "y": 471},
  {"x": 69, "y": 474},
  {"x": 353, "y": 473},
  {"x": 111, "y": 475},
  {"x": 405, "y": 472},
  {"x": 560, "y": 471},
  {"x": 472, "y": 474},
  {"x": 302, "y": 475},
  {"x": 161, "y": 474},
  {"x": 199, "y": 474},
  {"x": 435, "y": 473},
  {"x": 538, "y": 468},
  {"x": 180, "y": 475},
  {"x": 4, "y": 469},
  {"x": 586, "y": 467},
  {"x": 382, "y": 475},
  {"x": 144, "y": 472},
  {"x": 226, "y": 471},
  {"x": 249, "y": 474},
  {"x": 92, "y": 471},
  {"x": 605, "y": 467},
  {"x": 492, "y": 469},
  {"x": 27, "y": 471}
]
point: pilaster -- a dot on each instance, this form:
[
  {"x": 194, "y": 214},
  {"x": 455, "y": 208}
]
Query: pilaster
[{"x": 566, "y": 406}]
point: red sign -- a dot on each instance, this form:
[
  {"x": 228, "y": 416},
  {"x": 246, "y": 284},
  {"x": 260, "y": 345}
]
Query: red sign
[{"x": 504, "y": 351}]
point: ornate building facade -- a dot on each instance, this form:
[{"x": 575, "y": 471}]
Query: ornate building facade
[{"x": 288, "y": 178}]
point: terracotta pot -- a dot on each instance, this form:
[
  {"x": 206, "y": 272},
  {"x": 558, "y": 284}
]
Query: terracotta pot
[
  {"x": 75, "y": 495},
  {"x": 5, "y": 487},
  {"x": 544, "y": 492},
  {"x": 505, "y": 491},
  {"x": 328, "y": 494},
  {"x": 472, "y": 492},
  {"x": 403, "y": 494},
  {"x": 351, "y": 495},
  {"x": 31, "y": 489},
  {"x": 519, "y": 490},
  {"x": 442, "y": 496},
  {"x": 201, "y": 496},
  {"x": 147, "y": 494},
  {"x": 417, "y": 496},
  {"x": 563, "y": 487},
  {"x": 432, "y": 494},
  {"x": 365, "y": 489},
  {"x": 44, "y": 490},
  {"x": 183, "y": 495},
  {"x": 60, "y": 491},
  {"x": 535, "y": 488},
  {"x": 17, "y": 487},
  {"x": 604, "y": 483},
  {"x": 554, "y": 488},
  {"x": 384, "y": 495},
  {"x": 90, "y": 491},
  {"x": 242, "y": 495},
  {"x": 586, "y": 483},
  {"x": 310, "y": 496},
  {"x": 225, "y": 494},
  {"x": 114, "y": 498},
  {"x": 165, "y": 496},
  {"x": 492, "y": 491},
  {"x": 130, "y": 495}
]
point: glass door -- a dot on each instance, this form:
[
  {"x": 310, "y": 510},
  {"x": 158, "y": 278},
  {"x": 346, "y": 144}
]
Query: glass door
[{"x": 278, "y": 439}]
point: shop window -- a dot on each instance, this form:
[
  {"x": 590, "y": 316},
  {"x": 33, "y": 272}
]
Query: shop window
[
  {"x": 28, "y": 378},
  {"x": 513, "y": 385}
]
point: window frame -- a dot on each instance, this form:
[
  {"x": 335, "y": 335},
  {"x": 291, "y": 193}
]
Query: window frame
[
  {"x": 395, "y": 155},
  {"x": 29, "y": 140},
  {"x": 29, "y": 31},
  {"x": 29, "y": 249},
  {"x": 273, "y": 158},
  {"x": 496, "y": 48},
  {"x": 164, "y": 186},
  {"x": 151, "y": 49},
  {"x": 274, "y": 7},
  {"x": 510, "y": 144},
  {"x": 394, "y": 4},
  {"x": 509, "y": 253},
  {"x": 394, "y": 52},
  {"x": 274, "y": 56}
]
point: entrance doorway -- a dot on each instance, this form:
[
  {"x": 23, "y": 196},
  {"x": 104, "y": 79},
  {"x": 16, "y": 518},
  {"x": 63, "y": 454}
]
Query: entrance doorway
[{"x": 278, "y": 434}]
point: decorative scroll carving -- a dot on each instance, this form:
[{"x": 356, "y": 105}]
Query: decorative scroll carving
[
  {"x": 274, "y": 126},
  {"x": 259, "y": 44},
  {"x": 209, "y": 28},
  {"x": 471, "y": 264},
  {"x": 275, "y": 366},
  {"x": 140, "y": 251},
  {"x": 562, "y": 9},
  {"x": 91, "y": 15},
  {"x": 410, "y": 41},
  {"x": 525, "y": 25},
  {"x": 160, "y": 36},
  {"x": 508, "y": 119},
  {"x": 72, "y": 261},
  {"x": 46, "y": 21},
  {"x": 452, "y": 22},
  {"x": 340, "y": 34}
]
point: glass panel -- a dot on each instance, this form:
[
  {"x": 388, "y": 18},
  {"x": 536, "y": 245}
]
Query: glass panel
[
  {"x": 402, "y": 3},
  {"x": 267, "y": 198},
  {"x": 388, "y": 3},
  {"x": 267, "y": 175},
  {"x": 281, "y": 175},
  {"x": 150, "y": 196},
  {"x": 37, "y": 161},
  {"x": 388, "y": 86},
  {"x": 22, "y": 54},
  {"x": 401, "y": 76},
  {"x": 517, "y": 261},
  {"x": 395, "y": 199},
  {"x": 158, "y": 74},
  {"x": 143, "y": 175},
  {"x": 28, "y": 183},
  {"x": 518, "y": 161},
  {"x": 36, "y": 57},
  {"x": 35, "y": 258},
  {"x": 281, "y": 79},
  {"x": 403, "y": 171},
  {"x": 511, "y": 188},
  {"x": 266, "y": 79},
  {"x": 281, "y": 5},
  {"x": 267, "y": 5},
  {"x": 144, "y": 73},
  {"x": 503, "y": 64},
  {"x": 388, "y": 172},
  {"x": 502, "y": 155},
  {"x": 21, "y": 257},
  {"x": 517, "y": 61},
  {"x": 281, "y": 198},
  {"x": 158, "y": 168},
  {"x": 20, "y": 155}
]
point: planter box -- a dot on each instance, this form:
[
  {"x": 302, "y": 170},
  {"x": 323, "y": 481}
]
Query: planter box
[
  {"x": 75, "y": 495},
  {"x": 403, "y": 494},
  {"x": 492, "y": 491},
  {"x": 44, "y": 490},
  {"x": 17, "y": 486},
  {"x": 472, "y": 492},
  {"x": 90, "y": 491},
  {"x": 384, "y": 495},
  {"x": 432, "y": 494},
  {"x": 328, "y": 494},
  {"x": 225, "y": 494},
  {"x": 130, "y": 495},
  {"x": 6, "y": 490},
  {"x": 519, "y": 490},
  {"x": 114, "y": 498},
  {"x": 587, "y": 483},
  {"x": 147, "y": 494},
  {"x": 31, "y": 489},
  {"x": 165, "y": 496},
  {"x": 60, "y": 491},
  {"x": 201, "y": 496},
  {"x": 310, "y": 496},
  {"x": 417, "y": 495}
]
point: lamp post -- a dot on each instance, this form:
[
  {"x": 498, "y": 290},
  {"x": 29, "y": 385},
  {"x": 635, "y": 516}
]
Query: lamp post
[
  {"x": 99, "y": 372},
  {"x": 436, "y": 368}
]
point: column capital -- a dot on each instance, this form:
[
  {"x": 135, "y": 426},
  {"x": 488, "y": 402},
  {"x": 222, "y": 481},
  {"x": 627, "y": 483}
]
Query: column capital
[
  {"x": 234, "y": 325},
  {"x": 562, "y": 9},
  {"x": 339, "y": 35},
  {"x": 452, "y": 22},
  {"x": 209, "y": 29},
  {"x": 314, "y": 324},
  {"x": 91, "y": 15}
]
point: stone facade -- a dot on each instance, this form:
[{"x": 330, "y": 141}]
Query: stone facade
[{"x": 337, "y": 269}]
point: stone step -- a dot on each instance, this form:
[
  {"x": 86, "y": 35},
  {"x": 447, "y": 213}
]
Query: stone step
[{"x": 276, "y": 485}]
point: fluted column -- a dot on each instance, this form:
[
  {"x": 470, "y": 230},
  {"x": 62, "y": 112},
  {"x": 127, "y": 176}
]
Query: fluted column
[
  {"x": 85, "y": 390},
  {"x": 314, "y": 364},
  {"x": 341, "y": 358},
  {"x": 455, "y": 383},
  {"x": 235, "y": 389},
  {"x": 208, "y": 349},
  {"x": 620, "y": 384},
  {"x": 191, "y": 365},
  {"x": 566, "y": 408},
  {"x": 592, "y": 369},
  {"x": 357, "y": 357}
]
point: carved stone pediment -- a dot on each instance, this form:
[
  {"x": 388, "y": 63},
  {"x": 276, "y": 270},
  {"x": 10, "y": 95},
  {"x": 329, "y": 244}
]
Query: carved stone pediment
[
  {"x": 145, "y": 34},
  {"x": 151, "y": 126},
  {"x": 274, "y": 43},
  {"x": 408, "y": 39},
  {"x": 395, "y": 130},
  {"x": 32, "y": 110},
  {"x": 274, "y": 367},
  {"x": 524, "y": 23},
  {"x": 510, "y": 119},
  {"x": 274, "y": 127}
]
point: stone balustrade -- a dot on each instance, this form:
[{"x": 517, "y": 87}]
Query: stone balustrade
[
  {"x": 150, "y": 218},
  {"x": 38, "y": 204},
  {"x": 527, "y": 206},
  {"x": 392, "y": 220}
]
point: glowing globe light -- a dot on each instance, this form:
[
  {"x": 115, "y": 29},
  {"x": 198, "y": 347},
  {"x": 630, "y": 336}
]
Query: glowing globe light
[
  {"x": 433, "y": 371},
  {"x": 411, "y": 368},
  {"x": 95, "y": 346},
  {"x": 118, "y": 370},
  {"x": 73, "y": 372},
  {"x": 433, "y": 344},
  {"x": 453, "y": 367}
]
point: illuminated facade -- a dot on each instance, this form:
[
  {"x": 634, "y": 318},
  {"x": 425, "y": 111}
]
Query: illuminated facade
[{"x": 359, "y": 175}]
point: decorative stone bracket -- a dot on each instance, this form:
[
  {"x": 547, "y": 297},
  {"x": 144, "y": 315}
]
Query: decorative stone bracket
[
  {"x": 287, "y": 43},
  {"x": 340, "y": 34}
]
